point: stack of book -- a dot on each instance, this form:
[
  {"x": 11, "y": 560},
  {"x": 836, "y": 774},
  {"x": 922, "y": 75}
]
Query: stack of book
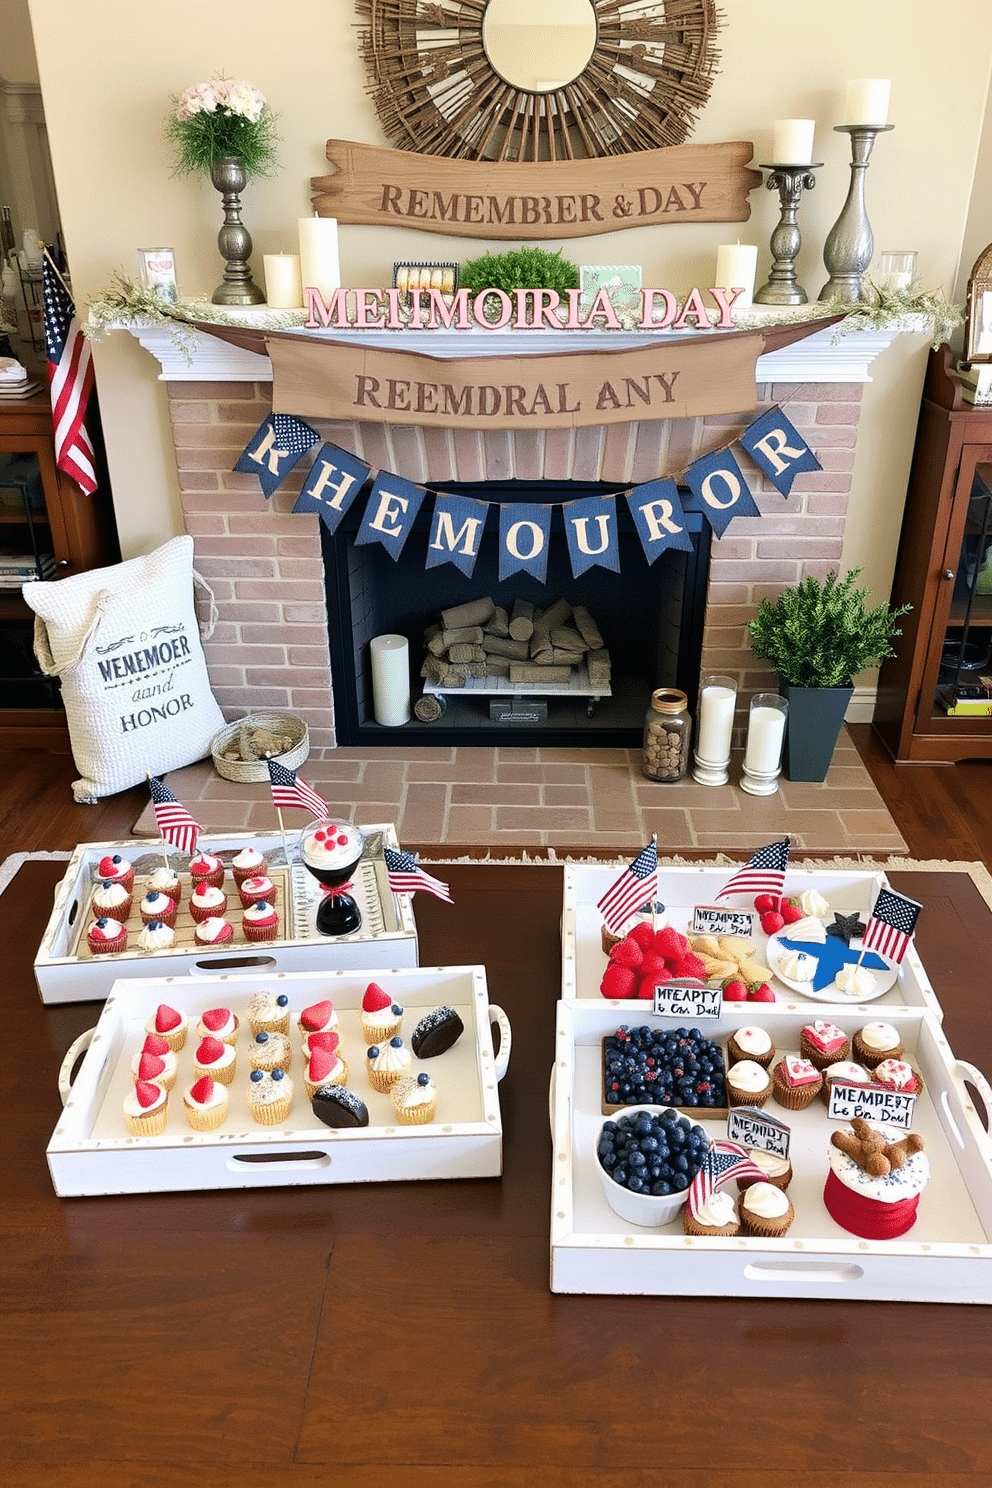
[
  {"x": 17, "y": 569},
  {"x": 16, "y": 382},
  {"x": 972, "y": 698}
]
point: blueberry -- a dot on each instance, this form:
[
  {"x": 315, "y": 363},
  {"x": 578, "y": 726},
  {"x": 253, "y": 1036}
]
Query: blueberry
[
  {"x": 255, "y": 1075},
  {"x": 278, "y": 1074},
  {"x": 679, "y": 1182},
  {"x": 282, "y": 1000},
  {"x": 620, "y": 1175},
  {"x": 372, "y": 1053},
  {"x": 423, "y": 1079},
  {"x": 661, "y": 1188},
  {"x": 261, "y": 1038},
  {"x": 396, "y": 1043}
]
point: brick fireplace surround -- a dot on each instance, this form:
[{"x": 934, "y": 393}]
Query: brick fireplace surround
[{"x": 270, "y": 648}]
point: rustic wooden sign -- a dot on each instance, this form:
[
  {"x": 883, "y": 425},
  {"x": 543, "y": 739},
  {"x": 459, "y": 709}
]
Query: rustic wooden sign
[
  {"x": 373, "y": 187},
  {"x": 335, "y": 379}
]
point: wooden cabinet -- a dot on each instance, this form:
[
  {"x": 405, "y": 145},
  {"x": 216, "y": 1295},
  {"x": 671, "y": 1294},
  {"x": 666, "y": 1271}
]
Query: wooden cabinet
[
  {"x": 943, "y": 568},
  {"x": 78, "y": 531}
]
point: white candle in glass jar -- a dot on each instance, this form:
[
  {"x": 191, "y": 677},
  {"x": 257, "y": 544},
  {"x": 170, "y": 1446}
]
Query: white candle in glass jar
[
  {"x": 320, "y": 267},
  {"x": 283, "y": 285},
  {"x": 766, "y": 728},
  {"x": 736, "y": 264},
  {"x": 868, "y": 102},
  {"x": 716, "y": 723},
  {"x": 792, "y": 141}
]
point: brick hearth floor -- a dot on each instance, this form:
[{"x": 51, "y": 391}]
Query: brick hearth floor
[{"x": 578, "y": 801}]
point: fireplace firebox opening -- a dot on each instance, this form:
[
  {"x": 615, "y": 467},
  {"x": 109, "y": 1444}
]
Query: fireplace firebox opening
[{"x": 650, "y": 617}]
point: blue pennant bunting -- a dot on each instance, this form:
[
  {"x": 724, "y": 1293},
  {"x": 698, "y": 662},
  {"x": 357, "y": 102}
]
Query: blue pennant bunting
[
  {"x": 279, "y": 442},
  {"x": 719, "y": 490},
  {"x": 591, "y": 529},
  {"x": 524, "y": 538},
  {"x": 335, "y": 479},
  {"x": 392, "y": 508},
  {"x": 456, "y": 531},
  {"x": 778, "y": 450},
  {"x": 659, "y": 518}
]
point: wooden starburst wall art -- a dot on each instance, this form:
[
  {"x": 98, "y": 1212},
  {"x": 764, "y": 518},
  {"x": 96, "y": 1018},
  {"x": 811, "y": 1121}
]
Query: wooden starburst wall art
[{"x": 441, "y": 86}]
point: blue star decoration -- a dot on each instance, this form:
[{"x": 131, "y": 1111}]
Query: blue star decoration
[{"x": 830, "y": 957}]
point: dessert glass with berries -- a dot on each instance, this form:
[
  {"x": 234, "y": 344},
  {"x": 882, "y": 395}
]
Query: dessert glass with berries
[{"x": 332, "y": 851}]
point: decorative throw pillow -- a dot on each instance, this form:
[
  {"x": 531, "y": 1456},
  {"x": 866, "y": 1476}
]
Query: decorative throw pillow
[{"x": 125, "y": 643}]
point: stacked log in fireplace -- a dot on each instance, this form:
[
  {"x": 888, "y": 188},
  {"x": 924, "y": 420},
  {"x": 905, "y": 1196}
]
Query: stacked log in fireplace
[{"x": 481, "y": 643}]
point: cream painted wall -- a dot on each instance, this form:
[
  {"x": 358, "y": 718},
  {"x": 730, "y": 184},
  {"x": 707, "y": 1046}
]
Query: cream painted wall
[{"x": 106, "y": 80}]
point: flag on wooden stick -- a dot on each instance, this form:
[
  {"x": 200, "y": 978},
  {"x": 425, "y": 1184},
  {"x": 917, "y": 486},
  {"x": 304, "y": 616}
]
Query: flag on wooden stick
[
  {"x": 173, "y": 820},
  {"x": 289, "y": 790},
  {"x": 636, "y": 886},
  {"x": 405, "y": 877}
]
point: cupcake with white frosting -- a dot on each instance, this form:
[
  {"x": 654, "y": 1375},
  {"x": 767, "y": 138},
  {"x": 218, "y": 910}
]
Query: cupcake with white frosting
[
  {"x": 718, "y": 1216},
  {"x": 387, "y": 1064},
  {"x": 766, "y": 1210},
  {"x": 750, "y": 1043},
  {"x": 875, "y": 1042},
  {"x": 748, "y": 1084}
]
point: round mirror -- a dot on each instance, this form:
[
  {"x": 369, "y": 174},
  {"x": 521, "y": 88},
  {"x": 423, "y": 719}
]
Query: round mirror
[{"x": 539, "y": 52}]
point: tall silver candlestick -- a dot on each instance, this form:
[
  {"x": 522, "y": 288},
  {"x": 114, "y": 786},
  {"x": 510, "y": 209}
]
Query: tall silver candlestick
[
  {"x": 850, "y": 243},
  {"x": 782, "y": 287}
]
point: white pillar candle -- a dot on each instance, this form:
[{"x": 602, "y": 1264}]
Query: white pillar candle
[
  {"x": 868, "y": 102},
  {"x": 283, "y": 285},
  {"x": 766, "y": 728},
  {"x": 736, "y": 264},
  {"x": 320, "y": 267},
  {"x": 716, "y": 722},
  {"x": 390, "y": 679},
  {"x": 792, "y": 141}
]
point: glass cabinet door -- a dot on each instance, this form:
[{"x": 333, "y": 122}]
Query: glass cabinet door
[{"x": 962, "y": 688}]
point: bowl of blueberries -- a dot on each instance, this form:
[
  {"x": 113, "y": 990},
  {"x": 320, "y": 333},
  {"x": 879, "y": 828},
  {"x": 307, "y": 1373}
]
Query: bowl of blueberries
[{"x": 647, "y": 1157}]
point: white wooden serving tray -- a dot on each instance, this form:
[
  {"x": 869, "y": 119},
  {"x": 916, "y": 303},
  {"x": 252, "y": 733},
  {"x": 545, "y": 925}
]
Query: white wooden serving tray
[
  {"x": 683, "y": 887},
  {"x": 945, "y": 1257},
  {"x": 66, "y": 971},
  {"x": 91, "y": 1151}
]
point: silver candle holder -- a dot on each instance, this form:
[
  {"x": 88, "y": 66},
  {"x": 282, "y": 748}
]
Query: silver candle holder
[
  {"x": 850, "y": 242},
  {"x": 790, "y": 181}
]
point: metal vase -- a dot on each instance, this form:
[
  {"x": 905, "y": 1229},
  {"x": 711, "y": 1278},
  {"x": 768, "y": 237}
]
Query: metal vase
[
  {"x": 229, "y": 176},
  {"x": 816, "y": 717}
]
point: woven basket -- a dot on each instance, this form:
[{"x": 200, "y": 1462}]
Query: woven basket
[{"x": 239, "y": 736}]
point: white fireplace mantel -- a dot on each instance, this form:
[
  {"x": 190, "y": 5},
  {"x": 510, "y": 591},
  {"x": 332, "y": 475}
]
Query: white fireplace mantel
[{"x": 824, "y": 356}]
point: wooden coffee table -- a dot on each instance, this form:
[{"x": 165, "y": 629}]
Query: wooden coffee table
[{"x": 406, "y": 1333}]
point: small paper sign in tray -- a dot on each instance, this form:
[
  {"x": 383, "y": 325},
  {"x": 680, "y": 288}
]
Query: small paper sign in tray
[{"x": 92, "y": 1151}]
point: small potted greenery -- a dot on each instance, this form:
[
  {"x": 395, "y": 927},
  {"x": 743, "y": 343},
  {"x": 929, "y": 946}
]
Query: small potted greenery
[
  {"x": 518, "y": 268},
  {"x": 818, "y": 635}
]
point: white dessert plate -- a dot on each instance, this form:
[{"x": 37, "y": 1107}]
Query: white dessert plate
[{"x": 776, "y": 953}]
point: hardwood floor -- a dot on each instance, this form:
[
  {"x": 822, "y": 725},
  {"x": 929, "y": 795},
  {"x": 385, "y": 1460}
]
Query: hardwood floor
[{"x": 943, "y": 811}]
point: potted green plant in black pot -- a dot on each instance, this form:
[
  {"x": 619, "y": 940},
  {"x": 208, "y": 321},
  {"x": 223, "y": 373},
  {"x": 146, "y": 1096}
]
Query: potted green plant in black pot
[{"x": 818, "y": 635}]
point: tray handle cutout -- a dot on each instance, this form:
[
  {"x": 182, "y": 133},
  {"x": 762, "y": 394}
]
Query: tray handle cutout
[
  {"x": 502, "y": 1053},
  {"x": 67, "y": 1068},
  {"x": 840, "y": 1274},
  {"x": 295, "y": 1162},
  {"x": 233, "y": 963},
  {"x": 973, "y": 1075},
  {"x": 70, "y": 918}
]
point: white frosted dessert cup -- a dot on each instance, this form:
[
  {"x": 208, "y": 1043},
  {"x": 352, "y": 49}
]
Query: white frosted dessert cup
[{"x": 331, "y": 851}]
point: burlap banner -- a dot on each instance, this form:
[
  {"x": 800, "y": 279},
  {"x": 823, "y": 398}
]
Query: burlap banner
[{"x": 329, "y": 379}]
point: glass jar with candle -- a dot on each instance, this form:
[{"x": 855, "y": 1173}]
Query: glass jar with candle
[
  {"x": 763, "y": 751},
  {"x": 667, "y": 734}
]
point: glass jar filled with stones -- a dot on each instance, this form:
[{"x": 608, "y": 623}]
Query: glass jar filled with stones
[{"x": 667, "y": 734}]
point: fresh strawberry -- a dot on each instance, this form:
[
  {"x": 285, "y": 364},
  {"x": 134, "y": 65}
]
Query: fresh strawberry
[
  {"x": 150, "y": 1067},
  {"x": 215, "y": 1018},
  {"x": 772, "y": 922},
  {"x": 734, "y": 993},
  {"x": 321, "y": 1064},
  {"x": 688, "y": 965},
  {"x": 202, "y": 1090},
  {"x": 166, "y": 1018},
  {"x": 209, "y": 1051},
  {"x": 760, "y": 992},
  {"x": 618, "y": 981},
  {"x": 668, "y": 942},
  {"x": 627, "y": 952},
  {"x": 654, "y": 965},
  {"x": 154, "y": 1045},
  {"x": 790, "y": 911},
  {"x": 316, "y": 1015},
  {"x": 375, "y": 999},
  {"x": 643, "y": 935},
  {"x": 764, "y": 902},
  {"x": 326, "y": 1041},
  {"x": 147, "y": 1093},
  {"x": 648, "y": 983}
]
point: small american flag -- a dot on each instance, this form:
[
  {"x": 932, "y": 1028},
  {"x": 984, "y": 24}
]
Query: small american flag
[
  {"x": 637, "y": 885},
  {"x": 762, "y": 874},
  {"x": 174, "y": 821},
  {"x": 406, "y": 878},
  {"x": 725, "y": 1160},
  {"x": 288, "y": 790},
  {"x": 70, "y": 377},
  {"x": 891, "y": 924}
]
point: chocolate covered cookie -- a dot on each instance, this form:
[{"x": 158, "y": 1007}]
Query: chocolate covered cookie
[
  {"x": 336, "y": 1105},
  {"x": 436, "y": 1032}
]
